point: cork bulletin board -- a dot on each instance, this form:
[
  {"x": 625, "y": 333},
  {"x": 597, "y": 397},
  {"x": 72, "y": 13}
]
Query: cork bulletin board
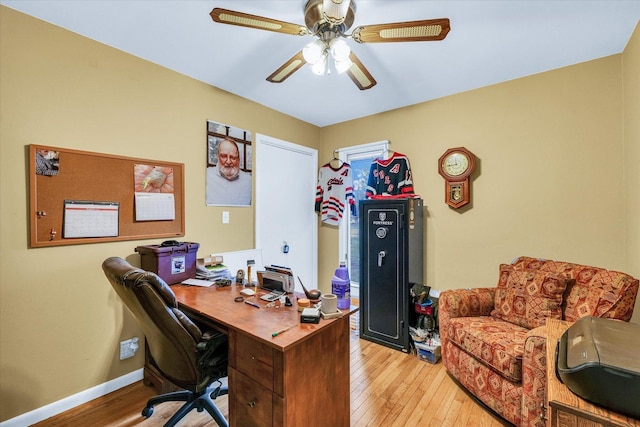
[{"x": 79, "y": 197}]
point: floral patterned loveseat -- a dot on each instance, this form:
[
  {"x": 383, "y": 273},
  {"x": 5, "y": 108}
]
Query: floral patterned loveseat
[{"x": 493, "y": 339}]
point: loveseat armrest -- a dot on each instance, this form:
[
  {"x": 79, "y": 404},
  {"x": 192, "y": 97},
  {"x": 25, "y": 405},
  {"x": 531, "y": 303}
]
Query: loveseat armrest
[
  {"x": 465, "y": 303},
  {"x": 461, "y": 303},
  {"x": 534, "y": 378}
]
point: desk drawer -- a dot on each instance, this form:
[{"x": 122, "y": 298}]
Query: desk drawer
[
  {"x": 250, "y": 404},
  {"x": 253, "y": 359}
]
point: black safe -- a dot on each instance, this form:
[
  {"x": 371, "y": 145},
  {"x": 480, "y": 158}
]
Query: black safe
[{"x": 391, "y": 261}]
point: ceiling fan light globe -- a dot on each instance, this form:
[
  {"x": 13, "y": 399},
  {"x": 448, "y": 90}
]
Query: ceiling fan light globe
[
  {"x": 340, "y": 50},
  {"x": 320, "y": 67},
  {"x": 314, "y": 51},
  {"x": 342, "y": 66}
]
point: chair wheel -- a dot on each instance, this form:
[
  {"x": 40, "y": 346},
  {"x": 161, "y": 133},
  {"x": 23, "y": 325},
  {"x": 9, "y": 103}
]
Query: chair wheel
[{"x": 147, "y": 412}]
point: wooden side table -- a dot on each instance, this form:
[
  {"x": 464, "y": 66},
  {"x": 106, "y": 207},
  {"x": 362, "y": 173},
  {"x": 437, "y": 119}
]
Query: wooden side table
[{"x": 567, "y": 409}]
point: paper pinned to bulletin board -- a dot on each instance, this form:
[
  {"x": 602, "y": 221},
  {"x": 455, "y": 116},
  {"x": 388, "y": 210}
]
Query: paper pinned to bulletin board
[
  {"x": 155, "y": 207},
  {"x": 153, "y": 188},
  {"x": 90, "y": 219}
]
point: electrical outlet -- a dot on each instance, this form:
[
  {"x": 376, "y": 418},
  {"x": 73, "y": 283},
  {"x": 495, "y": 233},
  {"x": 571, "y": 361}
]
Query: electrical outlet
[
  {"x": 225, "y": 217},
  {"x": 128, "y": 348}
]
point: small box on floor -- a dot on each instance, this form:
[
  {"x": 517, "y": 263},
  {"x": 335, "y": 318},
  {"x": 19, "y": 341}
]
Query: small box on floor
[
  {"x": 173, "y": 262},
  {"x": 430, "y": 353}
]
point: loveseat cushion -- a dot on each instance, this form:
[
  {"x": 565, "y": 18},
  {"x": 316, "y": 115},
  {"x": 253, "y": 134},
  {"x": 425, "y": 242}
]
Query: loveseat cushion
[
  {"x": 528, "y": 297},
  {"x": 496, "y": 343},
  {"x": 603, "y": 296}
]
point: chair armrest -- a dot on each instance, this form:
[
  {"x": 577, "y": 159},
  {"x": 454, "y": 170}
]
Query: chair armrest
[
  {"x": 461, "y": 303},
  {"x": 534, "y": 377},
  {"x": 466, "y": 303},
  {"x": 188, "y": 324}
]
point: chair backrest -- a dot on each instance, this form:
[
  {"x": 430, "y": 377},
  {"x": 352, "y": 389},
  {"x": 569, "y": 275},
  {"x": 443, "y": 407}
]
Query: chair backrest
[
  {"x": 170, "y": 335},
  {"x": 591, "y": 291}
]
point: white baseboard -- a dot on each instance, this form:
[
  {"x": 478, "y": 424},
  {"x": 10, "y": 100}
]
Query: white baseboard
[{"x": 77, "y": 399}]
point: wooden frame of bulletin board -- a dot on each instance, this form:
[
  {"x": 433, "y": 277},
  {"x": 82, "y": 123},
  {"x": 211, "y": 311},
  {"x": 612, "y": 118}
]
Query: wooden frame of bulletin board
[{"x": 79, "y": 197}]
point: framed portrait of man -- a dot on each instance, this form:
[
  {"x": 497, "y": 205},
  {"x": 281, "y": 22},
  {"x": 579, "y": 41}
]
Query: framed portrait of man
[{"x": 229, "y": 166}]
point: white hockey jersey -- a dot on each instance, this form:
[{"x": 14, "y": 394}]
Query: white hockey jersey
[{"x": 334, "y": 193}]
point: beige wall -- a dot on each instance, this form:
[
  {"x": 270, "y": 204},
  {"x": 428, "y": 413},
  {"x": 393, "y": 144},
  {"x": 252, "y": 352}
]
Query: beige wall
[
  {"x": 60, "y": 321},
  {"x": 557, "y": 174},
  {"x": 550, "y": 182},
  {"x": 549, "y": 176},
  {"x": 631, "y": 153}
]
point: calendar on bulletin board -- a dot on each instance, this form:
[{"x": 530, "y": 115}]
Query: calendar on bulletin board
[{"x": 79, "y": 197}]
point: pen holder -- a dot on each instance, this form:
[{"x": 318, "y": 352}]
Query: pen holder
[{"x": 329, "y": 303}]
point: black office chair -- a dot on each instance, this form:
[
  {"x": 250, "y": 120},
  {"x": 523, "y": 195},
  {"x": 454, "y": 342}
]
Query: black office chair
[{"x": 188, "y": 358}]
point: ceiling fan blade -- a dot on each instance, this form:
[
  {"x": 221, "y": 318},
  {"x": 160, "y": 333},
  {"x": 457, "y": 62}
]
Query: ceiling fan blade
[
  {"x": 288, "y": 68},
  {"x": 410, "y": 31},
  {"x": 359, "y": 74},
  {"x": 231, "y": 17}
]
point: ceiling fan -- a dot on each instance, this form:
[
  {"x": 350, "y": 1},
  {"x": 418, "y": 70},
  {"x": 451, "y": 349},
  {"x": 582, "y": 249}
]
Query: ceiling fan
[{"x": 328, "y": 21}]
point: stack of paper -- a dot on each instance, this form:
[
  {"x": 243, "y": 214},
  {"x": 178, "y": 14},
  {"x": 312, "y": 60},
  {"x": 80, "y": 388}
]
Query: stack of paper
[
  {"x": 197, "y": 282},
  {"x": 213, "y": 272}
]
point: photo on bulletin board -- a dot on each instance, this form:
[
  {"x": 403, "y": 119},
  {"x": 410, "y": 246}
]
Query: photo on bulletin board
[
  {"x": 153, "y": 192},
  {"x": 47, "y": 162},
  {"x": 229, "y": 165}
]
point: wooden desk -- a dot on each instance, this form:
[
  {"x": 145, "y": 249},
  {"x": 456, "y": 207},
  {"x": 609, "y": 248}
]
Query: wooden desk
[
  {"x": 300, "y": 377},
  {"x": 567, "y": 409}
]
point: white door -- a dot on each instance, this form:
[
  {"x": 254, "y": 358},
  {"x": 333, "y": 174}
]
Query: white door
[{"x": 286, "y": 179}]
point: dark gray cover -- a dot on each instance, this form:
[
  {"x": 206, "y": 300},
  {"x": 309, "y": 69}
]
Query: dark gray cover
[{"x": 599, "y": 360}]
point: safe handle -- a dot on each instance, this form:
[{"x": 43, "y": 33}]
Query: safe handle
[{"x": 381, "y": 256}]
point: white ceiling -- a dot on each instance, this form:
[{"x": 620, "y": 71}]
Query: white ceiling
[{"x": 489, "y": 42}]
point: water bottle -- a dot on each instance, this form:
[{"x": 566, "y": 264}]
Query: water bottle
[{"x": 341, "y": 286}]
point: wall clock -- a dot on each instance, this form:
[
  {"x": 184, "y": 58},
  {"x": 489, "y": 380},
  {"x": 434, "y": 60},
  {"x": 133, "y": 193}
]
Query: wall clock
[{"x": 455, "y": 166}]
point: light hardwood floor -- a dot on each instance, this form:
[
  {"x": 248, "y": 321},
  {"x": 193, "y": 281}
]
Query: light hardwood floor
[{"x": 388, "y": 388}]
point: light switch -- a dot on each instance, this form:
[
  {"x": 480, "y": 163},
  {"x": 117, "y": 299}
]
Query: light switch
[{"x": 225, "y": 217}]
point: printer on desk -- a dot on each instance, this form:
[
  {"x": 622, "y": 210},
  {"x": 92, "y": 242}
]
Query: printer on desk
[
  {"x": 599, "y": 360},
  {"x": 275, "y": 281}
]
